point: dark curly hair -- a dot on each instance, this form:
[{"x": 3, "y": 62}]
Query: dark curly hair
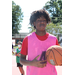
[{"x": 37, "y": 14}]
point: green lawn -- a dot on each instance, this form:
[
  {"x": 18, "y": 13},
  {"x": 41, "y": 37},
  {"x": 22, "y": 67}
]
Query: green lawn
[{"x": 15, "y": 46}]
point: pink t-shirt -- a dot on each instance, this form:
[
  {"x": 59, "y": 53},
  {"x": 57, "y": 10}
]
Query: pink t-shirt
[{"x": 35, "y": 47}]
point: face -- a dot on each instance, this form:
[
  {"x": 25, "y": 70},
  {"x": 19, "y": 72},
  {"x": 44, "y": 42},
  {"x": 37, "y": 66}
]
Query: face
[
  {"x": 40, "y": 24},
  {"x": 19, "y": 45}
]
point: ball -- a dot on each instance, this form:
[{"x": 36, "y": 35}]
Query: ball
[{"x": 54, "y": 55}]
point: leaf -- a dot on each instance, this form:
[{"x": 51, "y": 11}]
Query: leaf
[{"x": 17, "y": 17}]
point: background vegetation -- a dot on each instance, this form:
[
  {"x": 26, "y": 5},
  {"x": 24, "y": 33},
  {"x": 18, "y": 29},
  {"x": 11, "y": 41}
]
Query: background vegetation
[
  {"x": 54, "y": 8},
  {"x": 17, "y": 17}
]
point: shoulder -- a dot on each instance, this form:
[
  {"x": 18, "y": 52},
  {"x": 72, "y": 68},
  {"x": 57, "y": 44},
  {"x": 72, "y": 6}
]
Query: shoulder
[
  {"x": 16, "y": 49},
  {"x": 31, "y": 34},
  {"x": 51, "y": 35},
  {"x": 26, "y": 38}
]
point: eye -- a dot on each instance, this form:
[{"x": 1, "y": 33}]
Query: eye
[
  {"x": 44, "y": 20},
  {"x": 38, "y": 20}
]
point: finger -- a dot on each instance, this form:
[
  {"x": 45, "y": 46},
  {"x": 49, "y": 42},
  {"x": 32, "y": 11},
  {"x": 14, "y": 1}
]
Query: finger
[
  {"x": 36, "y": 57},
  {"x": 43, "y": 61},
  {"x": 42, "y": 65}
]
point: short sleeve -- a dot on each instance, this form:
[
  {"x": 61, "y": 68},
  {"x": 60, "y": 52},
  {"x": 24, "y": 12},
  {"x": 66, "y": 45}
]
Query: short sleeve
[
  {"x": 57, "y": 42},
  {"x": 24, "y": 49}
]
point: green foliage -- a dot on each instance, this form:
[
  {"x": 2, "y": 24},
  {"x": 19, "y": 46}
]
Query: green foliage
[
  {"x": 54, "y": 7},
  {"x": 31, "y": 29},
  {"x": 53, "y": 29},
  {"x": 17, "y": 17}
]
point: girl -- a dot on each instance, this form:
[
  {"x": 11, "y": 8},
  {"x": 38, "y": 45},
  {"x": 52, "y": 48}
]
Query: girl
[
  {"x": 20, "y": 66},
  {"x": 35, "y": 43}
]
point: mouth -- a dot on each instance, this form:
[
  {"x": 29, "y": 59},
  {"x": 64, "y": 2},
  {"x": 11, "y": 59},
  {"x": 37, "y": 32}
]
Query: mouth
[{"x": 42, "y": 25}]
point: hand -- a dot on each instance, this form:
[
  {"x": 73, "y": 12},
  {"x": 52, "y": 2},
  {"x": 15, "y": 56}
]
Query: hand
[
  {"x": 18, "y": 54},
  {"x": 39, "y": 63}
]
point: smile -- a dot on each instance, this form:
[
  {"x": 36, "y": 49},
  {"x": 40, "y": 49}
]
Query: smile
[{"x": 42, "y": 25}]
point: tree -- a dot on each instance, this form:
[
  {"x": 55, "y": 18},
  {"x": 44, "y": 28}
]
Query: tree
[
  {"x": 54, "y": 7},
  {"x": 31, "y": 29},
  {"x": 54, "y": 29},
  {"x": 17, "y": 17}
]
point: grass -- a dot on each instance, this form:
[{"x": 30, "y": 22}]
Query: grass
[{"x": 15, "y": 46}]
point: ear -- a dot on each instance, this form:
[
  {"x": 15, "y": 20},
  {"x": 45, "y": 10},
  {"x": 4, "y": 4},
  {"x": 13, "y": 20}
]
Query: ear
[{"x": 34, "y": 24}]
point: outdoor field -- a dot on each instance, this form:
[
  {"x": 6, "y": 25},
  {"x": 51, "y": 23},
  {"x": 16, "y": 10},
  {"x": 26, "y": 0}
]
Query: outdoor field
[{"x": 15, "y": 70}]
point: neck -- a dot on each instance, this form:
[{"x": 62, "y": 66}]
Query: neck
[{"x": 40, "y": 33}]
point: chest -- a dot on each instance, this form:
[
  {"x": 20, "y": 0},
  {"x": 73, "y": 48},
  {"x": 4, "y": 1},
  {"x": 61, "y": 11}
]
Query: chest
[
  {"x": 18, "y": 50},
  {"x": 36, "y": 47}
]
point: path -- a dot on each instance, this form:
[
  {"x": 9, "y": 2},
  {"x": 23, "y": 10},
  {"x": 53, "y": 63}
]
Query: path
[{"x": 15, "y": 70}]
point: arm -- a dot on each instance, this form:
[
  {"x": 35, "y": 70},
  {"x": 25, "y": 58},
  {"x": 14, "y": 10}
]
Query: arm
[
  {"x": 17, "y": 54},
  {"x": 34, "y": 62},
  {"x": 24, "y": 61}
]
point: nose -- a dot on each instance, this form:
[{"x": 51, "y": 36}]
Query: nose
[{"x": 42, "y": 21}]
